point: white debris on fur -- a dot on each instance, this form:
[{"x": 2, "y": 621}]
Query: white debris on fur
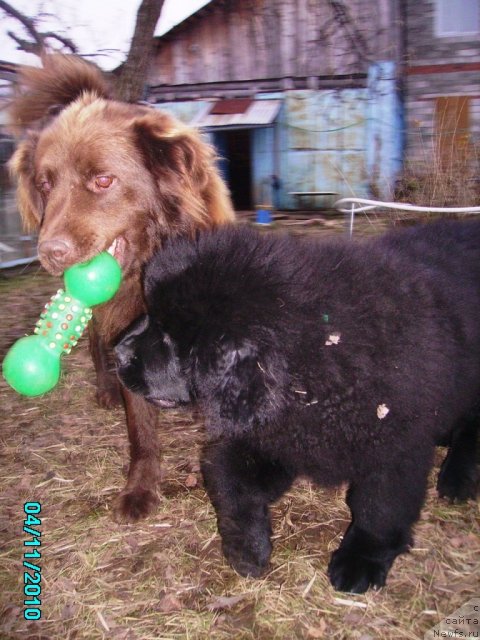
[
  {"x": 333, "y": 338},
  {"x": 382, "y": 411}
]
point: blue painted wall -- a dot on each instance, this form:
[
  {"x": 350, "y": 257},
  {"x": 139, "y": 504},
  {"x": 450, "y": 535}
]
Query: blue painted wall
[
  {"x": 263, "y": 166},
  {"x": 323, "y": 144},
  {"x": 385, "y": 129},
  {"x": 349, "y": 141}
]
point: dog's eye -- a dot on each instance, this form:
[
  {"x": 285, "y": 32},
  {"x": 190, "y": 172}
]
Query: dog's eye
[{"x": 103, "y": 182}]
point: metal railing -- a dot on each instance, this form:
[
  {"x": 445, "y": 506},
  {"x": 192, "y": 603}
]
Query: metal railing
[{"x": 352, "y": 206}]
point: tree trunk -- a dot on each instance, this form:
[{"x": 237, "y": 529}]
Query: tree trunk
[{"x": 132, "y": 75}]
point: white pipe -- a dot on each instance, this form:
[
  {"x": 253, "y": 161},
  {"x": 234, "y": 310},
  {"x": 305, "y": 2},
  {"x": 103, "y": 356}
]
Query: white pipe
[{"x": 368, "y": 205}]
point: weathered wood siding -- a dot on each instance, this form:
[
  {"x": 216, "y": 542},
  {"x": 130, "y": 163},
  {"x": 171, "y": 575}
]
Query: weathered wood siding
[
  {"x": 438, "y": 68},
  {"x": 332, "y": 63},
  {"x": 246, "y": 40}
]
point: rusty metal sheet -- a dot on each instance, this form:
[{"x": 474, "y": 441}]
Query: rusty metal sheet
[{"x": 260, "y": 113}]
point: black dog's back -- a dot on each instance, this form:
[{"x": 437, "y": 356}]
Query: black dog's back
[
  {"x": 416, "y": 290},
  {"x": 233, "y": 254},
  {"x": 451, "y": 247},
  {"x": 411, "y": 297}
]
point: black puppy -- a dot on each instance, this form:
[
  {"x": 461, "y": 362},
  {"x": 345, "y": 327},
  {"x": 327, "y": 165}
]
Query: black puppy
[{"x": 345, "y": 362}]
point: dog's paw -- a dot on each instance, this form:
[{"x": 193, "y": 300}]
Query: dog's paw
[
  {"x": 109, "y": 397},
  {"x": 249, "y": 557},
  {"x": 457, "y": 485},
  {"x": 132, "y": 506},
  {"x": 353, "y": 573}
]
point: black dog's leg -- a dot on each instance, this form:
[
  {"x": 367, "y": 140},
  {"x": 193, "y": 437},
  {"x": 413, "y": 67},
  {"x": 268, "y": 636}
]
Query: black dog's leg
[
  {"x": 458, "y": 477},
  {"x": 241, "y": 485},
  {"x": 384, "y": 507},
  {"x": 363, "y": 560}
]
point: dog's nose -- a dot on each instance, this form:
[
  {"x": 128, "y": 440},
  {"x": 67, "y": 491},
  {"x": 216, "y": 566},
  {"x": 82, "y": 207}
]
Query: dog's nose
[{"x": 54, "y": 252}]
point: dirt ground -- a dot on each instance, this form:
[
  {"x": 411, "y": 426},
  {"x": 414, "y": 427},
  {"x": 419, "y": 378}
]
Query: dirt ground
[{"x": 165, "y": 578}]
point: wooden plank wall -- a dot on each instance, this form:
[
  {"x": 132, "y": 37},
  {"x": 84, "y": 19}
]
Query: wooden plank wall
[{"x": 253, "y": 39}]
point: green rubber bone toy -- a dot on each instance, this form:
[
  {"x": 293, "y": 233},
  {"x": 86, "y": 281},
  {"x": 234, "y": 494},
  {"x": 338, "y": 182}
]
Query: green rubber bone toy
[{"x": 32, "y": 365}]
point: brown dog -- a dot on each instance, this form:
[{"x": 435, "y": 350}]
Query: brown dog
[{"x": 96, "y": 174}]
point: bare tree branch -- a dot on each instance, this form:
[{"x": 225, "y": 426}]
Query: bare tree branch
[
  {"x": 27, "y": 22},
  {"x": 26, "y": 45},
  {"x": 38, "y": 43},
  {"x": 131, "y": 75},
  {"x": 50, "y": 35}
]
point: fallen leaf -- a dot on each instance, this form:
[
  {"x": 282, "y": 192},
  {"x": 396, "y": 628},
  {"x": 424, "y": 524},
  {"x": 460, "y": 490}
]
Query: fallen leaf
[
  {"x": 69, "y": 611},
  {"x": 466, "y": 540},
  {"x": 318, "y": 631},
  {"x": 352, "y": 618},
  {"x": 169, "y": 603},
  {"x": 9, "y": 617},
  {"x": 191, "y": 481}
]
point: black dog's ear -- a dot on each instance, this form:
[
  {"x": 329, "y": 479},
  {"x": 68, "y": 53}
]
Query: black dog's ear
[{"x": 245, "y": 388}]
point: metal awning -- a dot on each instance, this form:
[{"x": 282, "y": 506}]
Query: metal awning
[{"x": 237, "y": 114}]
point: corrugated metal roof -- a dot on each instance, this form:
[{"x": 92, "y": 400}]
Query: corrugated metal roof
[{"x": 260, "y": 113}]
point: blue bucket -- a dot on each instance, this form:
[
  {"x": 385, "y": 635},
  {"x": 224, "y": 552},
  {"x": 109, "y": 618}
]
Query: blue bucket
[{"x": 264, "y": 216}]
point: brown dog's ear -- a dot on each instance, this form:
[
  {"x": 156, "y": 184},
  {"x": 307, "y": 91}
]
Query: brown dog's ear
[
  {"x": 167, "y": 143},
  {"x": 44, "y": 91},
  {"x": 184, "y": 166},
  {"x": 22, "y": 169}
]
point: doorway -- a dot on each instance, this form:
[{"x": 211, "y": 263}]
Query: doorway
[{"x": 235, "y": 147}]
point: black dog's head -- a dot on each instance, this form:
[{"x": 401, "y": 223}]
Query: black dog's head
[
  {"x": 236, "y": 385},
  {"x": 209, "y": 333},
  {"x": 147, "y": 363}
]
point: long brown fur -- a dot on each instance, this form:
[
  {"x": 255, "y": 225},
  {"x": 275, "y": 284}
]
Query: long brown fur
[
  {"x": 161, "y": 180},
  {"x": 59, "y": 81}
]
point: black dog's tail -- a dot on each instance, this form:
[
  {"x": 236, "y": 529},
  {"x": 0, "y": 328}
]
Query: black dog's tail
[{"x": 46, "y": 90}]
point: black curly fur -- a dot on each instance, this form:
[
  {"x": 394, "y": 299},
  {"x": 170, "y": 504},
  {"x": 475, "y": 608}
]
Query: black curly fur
[{"x": 345, "y": 362}]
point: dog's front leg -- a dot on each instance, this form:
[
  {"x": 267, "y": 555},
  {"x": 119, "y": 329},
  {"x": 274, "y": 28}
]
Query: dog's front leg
[
  {"x": 108, "y": 386},
  {"x": 139, "y": 496},
  {"x": 384, "y": 506},
  {"x": 241, "y": 485}
]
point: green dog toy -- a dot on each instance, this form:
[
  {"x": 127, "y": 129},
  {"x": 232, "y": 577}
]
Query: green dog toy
[{"x": 32, "y": 365}]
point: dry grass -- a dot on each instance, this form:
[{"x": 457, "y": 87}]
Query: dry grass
[
  {"x": 437, "y": 180},
  {"x": 165, "y": 578}
]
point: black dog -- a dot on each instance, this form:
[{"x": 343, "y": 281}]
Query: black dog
[{"x": 336, "y": 360}]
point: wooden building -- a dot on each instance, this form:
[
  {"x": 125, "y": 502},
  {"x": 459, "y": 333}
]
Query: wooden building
[
  {"x": 442, "y": 81},
  {"x": 297, "y": 95}
]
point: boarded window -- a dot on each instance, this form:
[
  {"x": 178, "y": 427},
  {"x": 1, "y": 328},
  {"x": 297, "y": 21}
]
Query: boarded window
[
  {"x": 457, "y": 17},
  {"x": 452, "y": 129}
]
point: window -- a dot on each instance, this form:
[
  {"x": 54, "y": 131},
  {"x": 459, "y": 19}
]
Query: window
[{"x": 457, "y": 17}]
